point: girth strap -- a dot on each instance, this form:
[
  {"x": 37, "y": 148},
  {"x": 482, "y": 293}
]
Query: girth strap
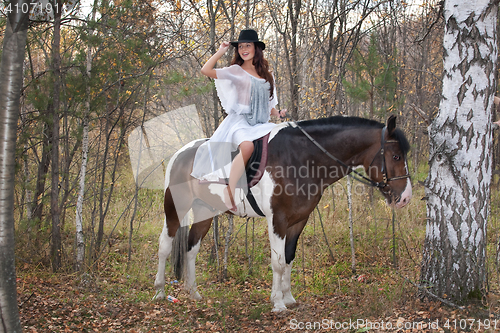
[{"x": 253, "y": 203}]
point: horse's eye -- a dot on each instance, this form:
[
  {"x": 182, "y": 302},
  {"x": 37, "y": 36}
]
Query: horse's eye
[{"x": 396, "y": 157}]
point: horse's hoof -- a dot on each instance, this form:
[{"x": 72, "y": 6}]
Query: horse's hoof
[
  {"x": 160, "y": 294},
  {"x": 196, "y": 296},
  {"x": 279, "y": 308},
  {"x": 289, "y": 301}
]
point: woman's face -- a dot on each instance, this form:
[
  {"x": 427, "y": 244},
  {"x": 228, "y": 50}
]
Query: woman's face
[{"x": 246, "y": 51}]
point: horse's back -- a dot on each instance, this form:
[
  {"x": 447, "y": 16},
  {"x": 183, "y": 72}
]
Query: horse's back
[{"x": 181, "y": 163}]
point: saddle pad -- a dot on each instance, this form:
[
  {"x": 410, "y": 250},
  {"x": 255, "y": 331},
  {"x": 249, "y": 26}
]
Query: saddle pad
[{"x": 258, "y": 161}]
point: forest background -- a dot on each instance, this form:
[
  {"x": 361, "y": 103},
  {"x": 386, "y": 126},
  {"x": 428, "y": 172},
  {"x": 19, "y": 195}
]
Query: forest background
[{"x": 88, "y": 256}]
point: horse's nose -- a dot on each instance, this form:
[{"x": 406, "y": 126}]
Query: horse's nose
[
  {"x": 403, "y": 202},
  {"x": 405, "y": 196}
]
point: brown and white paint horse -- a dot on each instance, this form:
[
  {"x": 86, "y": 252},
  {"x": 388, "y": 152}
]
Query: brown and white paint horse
[{"x": 303, "y": 159}]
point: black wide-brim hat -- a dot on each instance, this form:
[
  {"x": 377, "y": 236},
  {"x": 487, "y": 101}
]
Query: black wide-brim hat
[{"x": 249, "y": 36}]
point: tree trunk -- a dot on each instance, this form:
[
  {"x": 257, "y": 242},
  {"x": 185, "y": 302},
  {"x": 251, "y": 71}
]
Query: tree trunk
[
  {"x": 294, "y": 7},
  {"x": 229, "y": 233},
  {"x": 213, "y": 48},
  {"x": 458, "y": 184},
  {"x": 54, "y": 197},
  {"x": 11, "y": 72},
  {"x": 80, "y": 240},
  {"x": 351, "y": 225},
  {"x": 43, "y": 168}
]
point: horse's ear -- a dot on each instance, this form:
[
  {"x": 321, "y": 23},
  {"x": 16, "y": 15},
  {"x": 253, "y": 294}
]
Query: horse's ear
[{"x": 391, "y": 124}]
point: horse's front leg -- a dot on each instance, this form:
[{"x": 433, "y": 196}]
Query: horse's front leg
[
  {"x": 278, "y": 263},
  {"x": 292, "y": 236},
  {"x": 196, "y": 234},
  {"x": 286, "y": 284}
]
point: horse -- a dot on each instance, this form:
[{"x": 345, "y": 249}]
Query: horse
[{"x": 304, "y": 158}]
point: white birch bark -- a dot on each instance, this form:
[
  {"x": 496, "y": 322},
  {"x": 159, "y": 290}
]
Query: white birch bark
[
  {"x": 458, "y": 184},
  {"x": 11, "y": 83},
  {"x": 80, "y": 240}
]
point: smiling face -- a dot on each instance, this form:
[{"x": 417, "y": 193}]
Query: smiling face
[{"x": 246, "y": 51}]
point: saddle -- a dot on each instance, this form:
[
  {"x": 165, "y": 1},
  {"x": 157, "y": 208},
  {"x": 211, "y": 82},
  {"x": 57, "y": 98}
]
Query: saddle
[
  {"x": 255, "y": 168},
  {"x": 258, "y": 161}
]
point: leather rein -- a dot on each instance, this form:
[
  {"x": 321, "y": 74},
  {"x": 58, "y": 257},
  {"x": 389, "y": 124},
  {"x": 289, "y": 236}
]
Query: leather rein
[{"x": 362, "y": 178}]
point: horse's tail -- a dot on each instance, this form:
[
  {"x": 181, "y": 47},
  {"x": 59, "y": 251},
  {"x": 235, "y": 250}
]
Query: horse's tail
[{"x": 180, "y": 247}]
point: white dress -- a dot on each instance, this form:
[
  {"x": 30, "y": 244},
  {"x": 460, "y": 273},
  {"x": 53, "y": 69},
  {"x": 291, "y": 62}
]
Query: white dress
[{"x": 237, "y": 91}]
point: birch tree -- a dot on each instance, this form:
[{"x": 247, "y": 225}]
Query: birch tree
[
  {"x": 80, "y": 241},
  {"x": 458, "y": 184},
  {"x": 11, "y": 72}
]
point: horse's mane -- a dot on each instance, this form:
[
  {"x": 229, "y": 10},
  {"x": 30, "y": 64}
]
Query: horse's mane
[{"x": 340, "y": 123}]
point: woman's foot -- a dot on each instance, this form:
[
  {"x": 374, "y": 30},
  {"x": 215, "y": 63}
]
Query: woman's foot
[{"x": 229, "y": 199}]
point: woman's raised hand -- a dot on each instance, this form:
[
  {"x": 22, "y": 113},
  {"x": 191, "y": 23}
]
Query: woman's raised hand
[
  {"x": 224, "y": 47},
  {"x": 208, "y": 68}
]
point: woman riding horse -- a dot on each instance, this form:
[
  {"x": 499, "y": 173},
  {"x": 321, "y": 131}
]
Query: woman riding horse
[{"x": 247, "y": 93}]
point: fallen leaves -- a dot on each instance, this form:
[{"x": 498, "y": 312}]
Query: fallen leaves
[{"x": 61, "y": 305}]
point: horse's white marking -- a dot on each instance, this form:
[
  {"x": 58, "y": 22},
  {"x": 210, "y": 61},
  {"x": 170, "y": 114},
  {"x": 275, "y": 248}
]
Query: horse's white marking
[
  {"x": 281, "y": 294},
  {"x": 286, "y": 285},
  {"x": 278, "y": 263},
  {"x": 276, "y": 130},
  {"x": 406, "y": 195},
  {"x": 262, "y": 192},
  {"x": 165, "y": 247},
  {"x": 190, "y": 283},
  {"x": 218, "y": 190},
  {"x": 174, "y": 157}
]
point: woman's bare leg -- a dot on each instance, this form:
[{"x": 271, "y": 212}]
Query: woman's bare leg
[{"x": 237, "y": 169}]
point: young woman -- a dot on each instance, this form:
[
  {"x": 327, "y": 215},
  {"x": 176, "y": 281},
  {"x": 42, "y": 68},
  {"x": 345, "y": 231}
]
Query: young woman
[{"x": 247, "y": 93}]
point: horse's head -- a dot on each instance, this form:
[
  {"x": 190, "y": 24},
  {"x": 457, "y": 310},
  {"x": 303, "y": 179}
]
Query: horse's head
[{"x": 388, "y": 167}]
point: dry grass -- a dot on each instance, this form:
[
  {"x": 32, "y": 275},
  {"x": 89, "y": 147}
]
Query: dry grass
[{"x": 375, "y": 290}]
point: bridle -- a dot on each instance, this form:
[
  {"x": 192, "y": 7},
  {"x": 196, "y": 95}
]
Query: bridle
[
  {"x": 385, "y": 178},
  {"x": 359, "y": 177}
]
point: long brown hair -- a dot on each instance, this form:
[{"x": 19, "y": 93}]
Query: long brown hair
[{"x": 261, "y": 66}]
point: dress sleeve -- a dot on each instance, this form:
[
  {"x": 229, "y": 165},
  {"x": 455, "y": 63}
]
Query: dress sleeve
[{"x": 233, "y": 88}]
